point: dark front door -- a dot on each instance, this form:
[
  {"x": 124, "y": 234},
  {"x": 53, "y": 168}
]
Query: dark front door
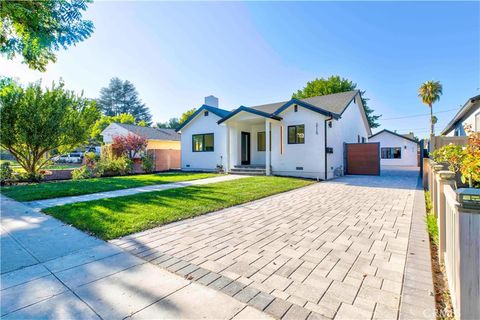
[{"x": 245, "y": 145}]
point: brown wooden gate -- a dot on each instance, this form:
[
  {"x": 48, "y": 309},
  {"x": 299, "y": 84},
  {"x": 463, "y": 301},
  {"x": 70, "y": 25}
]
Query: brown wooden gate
[{"x": 362, "y": 158}]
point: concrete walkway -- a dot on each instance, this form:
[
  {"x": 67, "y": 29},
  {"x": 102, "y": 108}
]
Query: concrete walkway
[
  {"x": 47, "y": 203},
  {"x": 52, "y": 271},
  {"x": 351, "y": 248}
]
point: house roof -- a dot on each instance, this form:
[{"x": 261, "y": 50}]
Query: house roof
[
  {"x": 394, "y": 133},
  {"x": 219, "y": 112},
  {"x": 470, "y": 106},
  {"x": 250, "y": 110},
  {"x": 150, "y": 133}
]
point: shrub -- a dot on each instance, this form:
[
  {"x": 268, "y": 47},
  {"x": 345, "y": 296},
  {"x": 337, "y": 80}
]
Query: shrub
[
  {"x": 115, "y": 166},
  {"x": 148, "y": 164},
  {"x": 6, "y": 173},
  {"x": 130, "y": 145},
  {"x": 86, "y": 172}
]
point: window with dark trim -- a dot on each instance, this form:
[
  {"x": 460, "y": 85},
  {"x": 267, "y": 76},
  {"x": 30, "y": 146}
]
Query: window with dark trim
[
  {"x": 296, "y": 134},
  {"x": 364, "y": 140},
  {"x": 262, "y": 141},
  {"x": 206, "y": 113},
  {"x": 391, "y": 153},
  {"x": 202, "y": 142}
]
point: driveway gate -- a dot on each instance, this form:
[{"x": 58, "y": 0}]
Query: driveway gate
[{"x": 362, "y": 158}]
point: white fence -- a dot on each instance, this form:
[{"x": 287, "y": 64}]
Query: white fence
[{"x": 459, "y": 238}]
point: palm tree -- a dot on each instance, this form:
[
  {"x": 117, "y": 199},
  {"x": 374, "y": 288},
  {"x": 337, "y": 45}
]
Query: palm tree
[
  {"x": 434, "y": 122},
  {"x": 430, "y": 92}
]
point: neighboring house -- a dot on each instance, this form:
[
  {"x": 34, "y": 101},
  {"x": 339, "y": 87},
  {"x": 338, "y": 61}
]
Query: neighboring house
[
  {"x": 163, "y": 143},
  {"x": 396, "y": 149},
  {"x": 469, "y": 114},
  {"x": 288, "y": 138}
]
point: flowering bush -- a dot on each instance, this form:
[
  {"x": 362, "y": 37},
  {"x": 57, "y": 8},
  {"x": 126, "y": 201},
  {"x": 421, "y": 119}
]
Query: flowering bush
[
  {"x": 130, "y": 145},
  {"x": 90, "y": 169},
  {"x": 464, "y": 160}
]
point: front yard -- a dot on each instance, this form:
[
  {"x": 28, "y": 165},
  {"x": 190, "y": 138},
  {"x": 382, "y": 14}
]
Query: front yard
[
  {"x": 48, "y": 190},
  {"x": 115, "y": 217}
]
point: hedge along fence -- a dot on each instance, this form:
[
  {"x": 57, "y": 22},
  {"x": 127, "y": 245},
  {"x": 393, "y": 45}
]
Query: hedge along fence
[{"x": 458, "y": 218}]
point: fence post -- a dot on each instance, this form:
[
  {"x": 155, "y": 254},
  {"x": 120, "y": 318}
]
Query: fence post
[
  {"x": 435, "y": 190},
  {"x": 443, "y": 178},
  {"x": 469, "y": 260}
]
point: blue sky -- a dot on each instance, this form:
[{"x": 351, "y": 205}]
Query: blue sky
[{"x": 259, "y": 52}]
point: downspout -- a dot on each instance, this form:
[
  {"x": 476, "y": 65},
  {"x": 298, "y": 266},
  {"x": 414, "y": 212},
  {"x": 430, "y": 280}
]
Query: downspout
[{"x": 325, "y": 149}]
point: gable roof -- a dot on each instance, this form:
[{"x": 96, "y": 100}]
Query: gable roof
[
  {"x": 150, "y": 133},
  {"x": 219, "y": 112},
  {"x": 468, "y": 107},
  {"x": 249, "y": 110},
  {"x": 395, "y": 134},
  {"x": 334, "y": 103}
]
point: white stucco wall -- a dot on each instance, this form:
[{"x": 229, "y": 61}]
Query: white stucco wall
[
  {"x": 347, "y": 129},
  {"x": 409, "y": 149},
  {"x": 203, "y": 161},
  {"x": 310, "y": 155}
]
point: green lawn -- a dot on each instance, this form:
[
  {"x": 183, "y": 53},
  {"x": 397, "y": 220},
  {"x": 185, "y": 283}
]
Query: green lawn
[
  {"x": 47, "y": 190},
  {"x": 115, "y": 217}
]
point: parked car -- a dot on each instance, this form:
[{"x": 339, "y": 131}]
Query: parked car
[
  {"x": 74, "y": 157},
  {"x": 96, "y": 150}
]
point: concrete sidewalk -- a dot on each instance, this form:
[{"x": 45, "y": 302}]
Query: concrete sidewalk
[
  {"x": 52, "y": 271},
  {"x": 47, "y": 203}
]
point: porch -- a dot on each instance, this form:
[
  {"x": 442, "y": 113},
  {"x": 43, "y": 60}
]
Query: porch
[{"x": 249, "y": 141}]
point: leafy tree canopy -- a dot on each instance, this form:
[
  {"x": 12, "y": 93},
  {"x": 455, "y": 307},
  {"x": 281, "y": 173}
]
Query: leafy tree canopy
[
  {"x": 104, "y": 121},
  {"x": 36, "y": 29},
  {"x": 173, "y": 123},
  {"x": 36, "y": 121},
  {"x": 122, "y": 97},
  {"x": 335, "y": 84},
  {"x": 186, "y": 115}
]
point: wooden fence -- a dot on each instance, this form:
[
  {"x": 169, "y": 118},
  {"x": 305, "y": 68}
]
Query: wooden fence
[{"x": 458, "y": 218}]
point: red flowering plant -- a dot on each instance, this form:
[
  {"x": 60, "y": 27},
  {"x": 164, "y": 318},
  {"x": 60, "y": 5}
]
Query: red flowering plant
[{"x": 130, "y": 145}]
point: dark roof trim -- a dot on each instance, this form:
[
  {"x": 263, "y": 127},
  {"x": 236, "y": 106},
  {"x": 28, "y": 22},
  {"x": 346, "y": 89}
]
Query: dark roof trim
[
  {"x": 460, "y": 114},
  {"x": 306, "y": 106},
  {"x": 249, "y": 110},
  {"x": 353, "y": 98},
  {"x": 394, "y": 133},
  {"x": 219, "y": 112}
]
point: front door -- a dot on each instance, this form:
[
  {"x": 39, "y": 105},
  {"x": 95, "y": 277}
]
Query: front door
[{"x": 245, "y": 145}]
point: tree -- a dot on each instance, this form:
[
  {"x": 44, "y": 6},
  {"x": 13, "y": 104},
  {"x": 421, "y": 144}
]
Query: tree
[
  {"x": 130, "y": 145},
  {"x": 335, "y": 84},
  {"x": 122, "y": 97},
  {"x": 434, "y": 122},
  {"x": 36, "y": 121},
  {"x": 173, "y": 123},
  {"x": 186, "y": 115},
  {"x": 104, "y": 121},
  {"x": 36, "y": 29},
  {"x": 430, "y": 92}
]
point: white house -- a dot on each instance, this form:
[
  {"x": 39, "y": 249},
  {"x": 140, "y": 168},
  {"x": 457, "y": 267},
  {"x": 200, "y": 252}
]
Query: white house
[
  {"x": 469, "y": 114},
  {"x": 396, "y": 149},
  {"x": 299, "y": 137}
]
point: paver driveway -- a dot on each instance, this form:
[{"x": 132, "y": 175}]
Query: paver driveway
[{"x": 331, "y": 250}]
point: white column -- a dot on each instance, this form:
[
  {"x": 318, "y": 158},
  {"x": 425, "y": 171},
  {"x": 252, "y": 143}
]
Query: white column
[
  {"x": 227, "y": 150},
  {"x": 267, "y": 147}
]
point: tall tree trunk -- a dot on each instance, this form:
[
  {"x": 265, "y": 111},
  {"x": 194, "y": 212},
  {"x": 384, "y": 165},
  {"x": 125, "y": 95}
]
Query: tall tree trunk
[{"x": 431, "y": 120}]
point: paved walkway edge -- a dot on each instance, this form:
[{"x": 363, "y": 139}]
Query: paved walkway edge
[{"x": 417, "y": 299}]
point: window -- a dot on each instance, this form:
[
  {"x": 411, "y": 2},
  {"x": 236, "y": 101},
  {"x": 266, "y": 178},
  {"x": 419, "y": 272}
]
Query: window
[
  {"x": 296, "y": 134},
  {"x": 295, "y": 108},
  {"x": 364, "y": 140},
  {"x": 206, "y": 113},
  {"x": 202, "y": 142},
  {"x": 261, "y": 141},
  {"x": 358, "y": 138},
  {"x": 392, "y": 153}
]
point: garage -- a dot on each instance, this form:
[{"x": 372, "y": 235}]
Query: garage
[
  {"x": 396, "y": 149},
  {"x": 362, "y": 158}
]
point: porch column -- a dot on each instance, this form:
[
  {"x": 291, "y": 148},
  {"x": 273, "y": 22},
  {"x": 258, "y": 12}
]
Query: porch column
[
  {"x": 227, "y": 150},
  {"x": 268, "y": 163}
]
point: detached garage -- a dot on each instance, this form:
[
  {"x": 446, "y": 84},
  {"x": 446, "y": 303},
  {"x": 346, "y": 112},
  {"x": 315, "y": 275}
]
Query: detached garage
[{"x": 396, "y": 149}]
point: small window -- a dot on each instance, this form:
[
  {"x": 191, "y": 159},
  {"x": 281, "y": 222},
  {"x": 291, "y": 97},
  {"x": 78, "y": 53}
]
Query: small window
[
  {"x": 358, "y": 138},
  {"x": 296, "y": 134},
  {"x": 295, "y": 108},
  {"x": 391, "y": 153},
  {"x": 364, "y": 140},
  {"x": 202, "y": 142},
  {"x": 206, "y": 113},
  {"x": 261, "y": 141}
]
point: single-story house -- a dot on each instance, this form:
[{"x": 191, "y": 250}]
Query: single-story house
[
  {"x": 298, "y": 137},
  {"x": 164, "y": 144},
  {"x": 396, "y": 149},
  {"x": 469, "y": 114}
]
